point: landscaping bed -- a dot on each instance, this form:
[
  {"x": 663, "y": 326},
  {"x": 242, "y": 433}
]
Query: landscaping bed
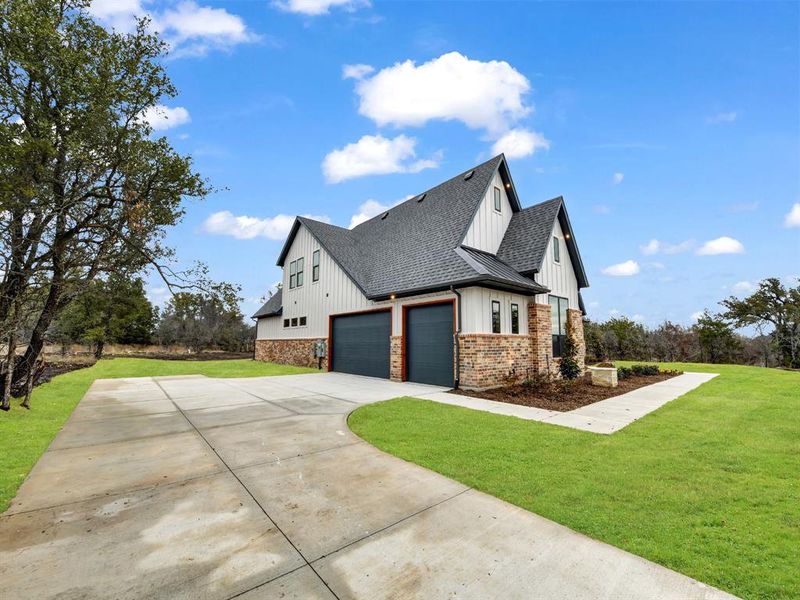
[{"x": 563, "y": 395}]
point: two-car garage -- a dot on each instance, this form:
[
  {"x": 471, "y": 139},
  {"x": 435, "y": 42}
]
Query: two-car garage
[{"x": 361, "y": 343}]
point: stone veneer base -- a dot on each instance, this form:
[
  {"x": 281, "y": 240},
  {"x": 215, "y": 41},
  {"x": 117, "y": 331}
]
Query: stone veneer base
[{"x": 299, "y": 352}]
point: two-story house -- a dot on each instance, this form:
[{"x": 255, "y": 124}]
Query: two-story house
[{"x": 458, "y": 285}]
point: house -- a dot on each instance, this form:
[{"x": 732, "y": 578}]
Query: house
[{"x": 458, "y": 285}]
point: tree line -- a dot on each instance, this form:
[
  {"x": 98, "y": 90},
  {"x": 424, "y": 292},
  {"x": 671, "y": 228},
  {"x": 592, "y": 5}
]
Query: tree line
[{"x": 772, "y": 313}]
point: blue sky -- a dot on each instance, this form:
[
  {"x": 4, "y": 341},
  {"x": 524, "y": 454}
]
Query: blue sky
[{"x": 673, "y": 122}]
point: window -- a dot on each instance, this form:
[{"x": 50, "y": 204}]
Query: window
[
  {"x": 302, "y": 321},
  {"x": 294, "y": 321},
  {"x": 300, "y": 262},
  {"x": 286, "y": 322},
  {"x": 514, "y": 318},
  {"x": 315, "y": 266},
  {"x": 556, "y": 250},
  {"x": 498, "y": 201},
  {"x": 495, "y": 316},
  {"x": 292, "y": 274},
  {"x": 558, "y": 319}
]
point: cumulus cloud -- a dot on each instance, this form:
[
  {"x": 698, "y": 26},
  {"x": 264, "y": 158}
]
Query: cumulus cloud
[
  {"x": 696, "y": 316},
  {"x": 519, "y": 143},
  {"x": 723, "y": 117},
  {"x": 375, "y": 155},
  {"x": 314, "y": 8},
  {"x": 372, "y": 208},
  {"x": 658, "y": 247},
  {"x": 617, "y": 178},
  {"x": 188, "y": 28},
  {"x": 358, "y": 71},
  {"x": 793, "y": 216},
  {"x": 623, "y": 269},
  {"x": 721, "y": 245},
  {"x": 743, "y": 287},
  {"x": 244, "y": 227},
  {"x": 482, "y": 95},
  {"x": 161, "y": 117}
]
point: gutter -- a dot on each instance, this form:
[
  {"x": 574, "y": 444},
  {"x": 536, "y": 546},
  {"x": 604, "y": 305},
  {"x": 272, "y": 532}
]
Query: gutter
[{"x": 457, "y": 335}]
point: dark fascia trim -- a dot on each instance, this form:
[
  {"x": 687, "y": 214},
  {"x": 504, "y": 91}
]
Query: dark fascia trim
[
  {"x": 581, "y": 305},
  {"x": 274, "y": 313},
  {"x": 485, "y": 281},
  {"x": 288, "y": 243},
  {"x": 511, "y": 192},
  {"x": 515, "y": 207},
  {"x": 572, "y": 247}
]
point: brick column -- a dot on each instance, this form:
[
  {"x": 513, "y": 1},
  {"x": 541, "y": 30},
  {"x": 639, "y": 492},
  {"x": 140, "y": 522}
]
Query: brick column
[
  {"x": 575, "y": 329},
  {"x": 540, "y": 330},
  {"x": 396, "y": 358}
]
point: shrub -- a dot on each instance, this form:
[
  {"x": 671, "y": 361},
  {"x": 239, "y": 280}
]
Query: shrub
[
  {"x": 645, "y": 370},
  {"x": 623, "y": 373},
  {"x": 605, "y": 364},
  {"x": 569, "y": 367}
]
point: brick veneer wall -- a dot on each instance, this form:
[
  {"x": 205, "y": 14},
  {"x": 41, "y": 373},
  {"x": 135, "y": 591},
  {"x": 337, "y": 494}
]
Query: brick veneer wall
[
  {"x": 575, "y": 328},
  {"x": 298, "y": 352},
  {"x": 396, "y": 358},
  {"x": 540, "y": 329},
  {"x": 491, "y": 360}
]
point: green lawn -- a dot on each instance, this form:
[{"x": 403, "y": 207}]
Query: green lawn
[
  {"x": 26, "y": 434},
  {"x": 708, "y": 485}
]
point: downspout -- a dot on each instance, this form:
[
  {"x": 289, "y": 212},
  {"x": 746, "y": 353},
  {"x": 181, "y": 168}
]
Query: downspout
[{"x": 457, "y": 335}]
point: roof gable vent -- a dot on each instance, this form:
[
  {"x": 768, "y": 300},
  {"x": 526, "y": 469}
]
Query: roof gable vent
[
  {"x": 468, "y": 175},
  {"x": 421, "y": 197}
]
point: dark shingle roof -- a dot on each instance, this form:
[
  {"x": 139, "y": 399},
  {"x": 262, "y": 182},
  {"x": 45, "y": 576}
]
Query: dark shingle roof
[
  {"x": 272, "y": 307},
  {"x": 525, "y": 242},
  {"x": 416, "y": 246}
]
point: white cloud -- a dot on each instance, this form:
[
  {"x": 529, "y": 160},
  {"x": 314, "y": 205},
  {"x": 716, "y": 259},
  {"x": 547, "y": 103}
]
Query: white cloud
[
  {"x": 623, "y": 269},
  {"x": 740, "y": 207},
  {"x": 313, "y": 8},
  {"x": 743, "y": 287},
  {"x": 655, "y": 265},
  {"x": 188, "y": 28},
  {"x": 372, "y": 208},
  {"x": 519, "y": 143},
  {"x": 482, "y": 95},
  {"x": 723, "y": 117},
  {"x": 161, "y": 117},
  {"x": 721, "y": 245},
  {"x": 638, "y": 318},
  {"x": 656, "y": 246},
  {"x": 356, "y": 71},
  {"x": 617, "y": 178},
  {"x": 793, "y": 216},
  {"x": 375, "y": 155},
  {"x": 695, "y": 316},
  {"x": 244, "y": 228}
]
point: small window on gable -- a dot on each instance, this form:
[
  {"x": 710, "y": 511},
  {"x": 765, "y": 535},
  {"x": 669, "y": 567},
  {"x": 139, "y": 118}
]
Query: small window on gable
[
  {"x": 286, "y": 322},
  {"x": 556, "y": 250},
  {"x": 294, "y": 321},
  {"x": 292, "y": 274},
  {"x": 495, "y": 316},
  {"x": 315, "y": 266},
  {"x": 498, "y": 200},
  {"x": 514, "y": 318},
  {"x": 300, "y": 262}
]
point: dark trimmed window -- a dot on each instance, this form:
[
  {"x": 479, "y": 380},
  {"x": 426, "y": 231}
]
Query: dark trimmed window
[
  {"x": 498, "y": 200},
  {"x": 315, "y": 266},
  {"x": 292, "y": 274},
  {"x": 286, "y": 322},
  {"x": 302, "y": 321},
  {"x": 558, "y": 319},
  {"x": 495, "y": 316},
  {"x": 294, "y": 321},
  {"x": 300, "y": 262},
  {"x": 556, "y": 250},
  {"x": 514, "y": 318}
]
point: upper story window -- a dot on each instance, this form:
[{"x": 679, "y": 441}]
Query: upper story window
[
  {"x": 498, "y": 200},
  {"x": 300, "y": 262},
  {"x": 514, "y": 318},
  {"x": 292, "y": 274},
  {"x": 315, "y": 266},
  {"x": 558, "y": 319},
  {"x": 556, "y": 250},
  {"x": 495, "y": 316}
]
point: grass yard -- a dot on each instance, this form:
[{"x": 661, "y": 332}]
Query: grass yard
[
  {"x": 26, "y": 434},
  {"x": 708, "y": 485}
]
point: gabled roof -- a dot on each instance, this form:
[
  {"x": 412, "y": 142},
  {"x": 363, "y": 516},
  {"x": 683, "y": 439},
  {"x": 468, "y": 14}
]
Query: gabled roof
[
  {"x": 528, "y": 236},
  {"x": 415, "y": 247},
  {"x": 272, "y": 307}
]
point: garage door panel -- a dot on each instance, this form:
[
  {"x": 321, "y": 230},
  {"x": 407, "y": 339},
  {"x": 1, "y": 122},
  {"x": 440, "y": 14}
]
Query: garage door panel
[
  {"x": 429, "y": 344},
  {"x": 361, "y": 344}
]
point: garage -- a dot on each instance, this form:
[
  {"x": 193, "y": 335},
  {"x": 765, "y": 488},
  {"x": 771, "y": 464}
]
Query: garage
[
  {"x": 360, "y": 344},
  {"x": 429, "y": 344}
]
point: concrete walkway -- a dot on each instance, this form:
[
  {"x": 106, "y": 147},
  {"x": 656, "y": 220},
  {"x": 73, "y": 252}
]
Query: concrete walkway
[
  {"x": 187, "y": 487},
  {"x": 606, "y": 416}
]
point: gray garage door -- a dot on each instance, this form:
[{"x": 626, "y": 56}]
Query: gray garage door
[
  {"x": 429, "y": 344},
  {"x": 361, "y": 344}
]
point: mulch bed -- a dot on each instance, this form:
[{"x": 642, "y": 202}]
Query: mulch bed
[{"x": 564, "y": 395}]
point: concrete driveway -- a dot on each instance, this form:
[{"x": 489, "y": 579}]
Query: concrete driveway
[{"x": 189, "y": 487}]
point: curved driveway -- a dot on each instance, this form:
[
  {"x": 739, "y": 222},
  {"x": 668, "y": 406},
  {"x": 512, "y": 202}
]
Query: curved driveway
[{"x": 189, "y": 487}]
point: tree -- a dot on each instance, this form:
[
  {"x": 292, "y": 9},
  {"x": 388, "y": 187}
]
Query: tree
[
  {"x": 112, "y": 310},
  {"x": 85, "y": 190},
  {"x": 625, "y": 338},
  {"x": 772, "y": 305},
  {"x": 718, "y": 342},
  {"x": 672, "y": 342},
  {"x": 569, "y": 367}
]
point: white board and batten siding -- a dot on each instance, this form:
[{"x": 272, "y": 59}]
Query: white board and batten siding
[
  {"x": 489, "y": 226},
  {"x": 559, "y": 277},
  {"x": 476, "y": 310}
]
